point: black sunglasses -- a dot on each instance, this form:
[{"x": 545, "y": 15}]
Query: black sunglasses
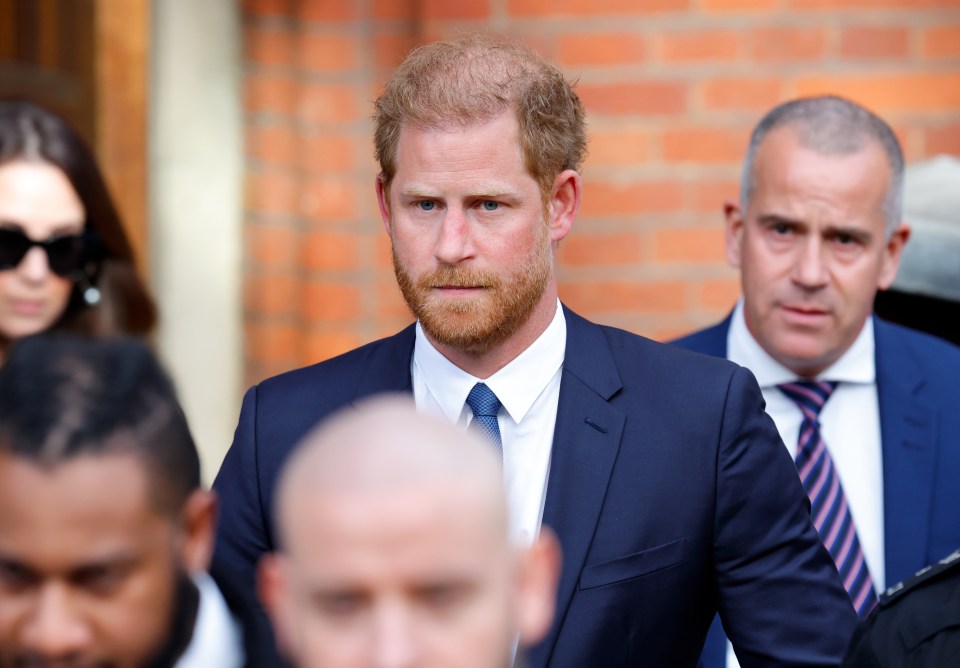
[{"x": 65, "y": 254}]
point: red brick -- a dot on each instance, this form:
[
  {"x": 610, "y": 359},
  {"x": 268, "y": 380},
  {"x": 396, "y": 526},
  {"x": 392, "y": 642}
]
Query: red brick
[
  {"x": 755, "y": 95},
  {"x": 389, "y": 50},
  {"x": 834, "y": 5},
  {"x": 526, "y": 8},
  {"x": 781, "y": 44},
  {"x": 327, "y": 10},
  {"x": 268, "y": 244},
  {"x": 617, "y": 147},
  {"x": 328, "y": 152},
  {"x": 583, "y": 249},
  {"x": 632, "y": 296},
  {"x": 704, "y": 145},
  {"x": 601, "y": 49},
  {"x": 700, "y": 46},
  {"x": 329, "y": 103},
  {"x": 394, "y": 9},
  {"x": 943, "y": 139},
  {"x": 329, "y": 198},
  {"x": 444, "y": 10},
  {"x": 272, "y": 191},
  {"x": 328, "y": 251},
  {"x": 320, "y": 346},
  {"x": 273, "y": 343},
  {"x": 719, "y": 294},
  {"x": 874, "y": 42},
  {"x": 942, "y": 41},
  {"x": 272, "y": 145},
  {"x": 330, "y": 302},
  {"x": 885, "y": 93},
  {"x": 270, "y": 93},
  {"x": 322, "y": 52},
  {"x": 268, "y": 46},
  {"x": 614, "y": 199},
  {"x": 267, "y": 7},
  {"x": 273, "y": 294},
  {"x": 696, "y": 245},
  {"x": 739, "y": 5},
  {"x": 652, "y": 97},
  {"x": 390, "y": 304},
  {"x": 710, "y": 196}
]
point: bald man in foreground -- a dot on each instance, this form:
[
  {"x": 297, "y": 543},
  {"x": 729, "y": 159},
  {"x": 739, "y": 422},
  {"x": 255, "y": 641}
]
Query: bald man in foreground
[{"x": 395, "y": 549}]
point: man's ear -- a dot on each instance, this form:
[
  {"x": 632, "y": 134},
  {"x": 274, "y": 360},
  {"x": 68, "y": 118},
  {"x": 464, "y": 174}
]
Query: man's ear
[
  {"x": 383, "y": 200},
  {"x": 272, "y": 586},
  {"x": 892, "y": 254},
  {"x": 564, "y": 203},
  {"x": 537, "y": 587},
  {"x": 733, "y": 231},
  {"x": 199, "y": 518}
]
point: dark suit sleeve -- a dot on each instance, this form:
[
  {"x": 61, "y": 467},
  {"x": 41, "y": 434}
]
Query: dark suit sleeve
[
  {"x": 779, "y": 594},
  {"x": 242, "y": 531}
]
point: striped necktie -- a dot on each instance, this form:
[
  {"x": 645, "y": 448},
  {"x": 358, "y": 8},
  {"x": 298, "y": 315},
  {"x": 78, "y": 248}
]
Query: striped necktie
[
  {"x": 485, "y": 406},
  {"x": 828, "y": 505}
]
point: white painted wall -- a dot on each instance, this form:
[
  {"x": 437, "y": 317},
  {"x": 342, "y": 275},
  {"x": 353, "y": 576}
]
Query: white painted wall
[{"x": 195, "y": 183}]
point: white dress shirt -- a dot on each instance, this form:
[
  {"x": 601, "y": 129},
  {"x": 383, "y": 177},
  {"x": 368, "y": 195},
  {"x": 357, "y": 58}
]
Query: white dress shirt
[
  {"x": 217, "y": 639},
  {"x": 529, "y": 389},
  {"x": 850, "y": 426}
]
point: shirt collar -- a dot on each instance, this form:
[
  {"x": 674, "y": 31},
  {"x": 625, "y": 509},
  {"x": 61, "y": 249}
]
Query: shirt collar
[
  {"x": 856, "y": 365},
  {"x": 517, "y": 385}
]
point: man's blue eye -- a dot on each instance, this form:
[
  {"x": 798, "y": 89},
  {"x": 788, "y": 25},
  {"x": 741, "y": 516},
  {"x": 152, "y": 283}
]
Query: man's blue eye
[
  {"x": 490, "y": 205},
  {"x": 427, "y": 205}
]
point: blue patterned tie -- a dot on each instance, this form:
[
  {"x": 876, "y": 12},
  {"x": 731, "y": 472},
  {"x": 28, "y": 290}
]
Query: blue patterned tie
[
  {"x": 485, "y": 406},
  {"x": 828, "y": 505}
]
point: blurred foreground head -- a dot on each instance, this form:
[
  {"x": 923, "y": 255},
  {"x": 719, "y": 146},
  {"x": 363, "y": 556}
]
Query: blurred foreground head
[
  {"x": 395, "y": 548},
  {"x": 102, "y": 516}
]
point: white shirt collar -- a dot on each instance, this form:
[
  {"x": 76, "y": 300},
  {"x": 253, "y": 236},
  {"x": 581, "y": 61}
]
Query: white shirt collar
[
  {"x": 217, "y": 639},
  {"x": 517, "y": 385},
  {"x": 856, "y": 365}
]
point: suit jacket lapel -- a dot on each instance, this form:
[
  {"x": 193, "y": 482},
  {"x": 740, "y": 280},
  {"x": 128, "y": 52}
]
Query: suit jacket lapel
[
  {"x": 907, "y": 432},
  {"x": 585, "y": 445}
]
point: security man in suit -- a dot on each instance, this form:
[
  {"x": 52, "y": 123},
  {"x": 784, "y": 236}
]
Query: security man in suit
[
  {"x": 866, "y": 408},
  {"x": 667, "y": 485}
]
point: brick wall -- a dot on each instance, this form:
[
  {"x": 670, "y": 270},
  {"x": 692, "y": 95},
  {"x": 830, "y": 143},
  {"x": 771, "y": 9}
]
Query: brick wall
[{"x": 672, "y": 88}]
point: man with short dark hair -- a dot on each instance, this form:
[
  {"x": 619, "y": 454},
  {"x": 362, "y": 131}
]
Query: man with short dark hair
[
  {"x": 867, "y": 408},
  {"x": 105, "y": 531},
  {"x": 665, "y": 482}
]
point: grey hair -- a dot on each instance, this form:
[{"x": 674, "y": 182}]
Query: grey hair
[{"x": 831, "y": 125}]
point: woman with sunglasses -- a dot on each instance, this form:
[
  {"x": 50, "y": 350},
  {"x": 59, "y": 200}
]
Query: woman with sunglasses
[{"x": 65, "y": 262}]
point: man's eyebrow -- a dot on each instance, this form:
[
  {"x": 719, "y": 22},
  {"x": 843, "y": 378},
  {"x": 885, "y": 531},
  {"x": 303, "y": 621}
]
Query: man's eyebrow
[{"x": 778, "y": 219}]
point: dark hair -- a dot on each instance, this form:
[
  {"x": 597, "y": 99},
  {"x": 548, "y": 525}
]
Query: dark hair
[
  {"x": 29, "y": 132},
  {"x": 832, "y": 125},
  {"x": 67, "y": 395}
]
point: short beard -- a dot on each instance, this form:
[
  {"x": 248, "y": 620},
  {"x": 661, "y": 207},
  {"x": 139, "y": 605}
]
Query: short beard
[{"x": 477, "y": 325}]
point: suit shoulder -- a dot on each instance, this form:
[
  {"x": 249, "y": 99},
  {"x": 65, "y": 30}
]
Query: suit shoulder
[
  {"x": 709, "y": 341},
  {"x": 345, "y": 371},
  {"x": 927, "y": 347},
  {"x": 677, "y": 362}
]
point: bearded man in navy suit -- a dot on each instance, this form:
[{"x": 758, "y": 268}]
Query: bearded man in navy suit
[
  {"x": 666, "y": 483},
  {"x": 816, "y": 233}
]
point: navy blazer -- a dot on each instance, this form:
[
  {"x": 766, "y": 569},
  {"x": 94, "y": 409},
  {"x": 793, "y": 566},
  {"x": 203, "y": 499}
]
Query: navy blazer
[
  {"x": 918, "y": 388},
  {"x": 669, "y": 488}
]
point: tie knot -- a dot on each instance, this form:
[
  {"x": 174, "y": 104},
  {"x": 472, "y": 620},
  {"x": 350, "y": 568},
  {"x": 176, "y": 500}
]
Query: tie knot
[
  {"x": 809, "y": 395},
  {"x": 482, "y": 401}
]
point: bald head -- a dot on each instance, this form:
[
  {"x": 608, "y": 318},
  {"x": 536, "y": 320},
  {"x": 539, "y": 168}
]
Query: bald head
[
  {"x": 395, "y": 548},
  {"x": 382, "y": 449}
]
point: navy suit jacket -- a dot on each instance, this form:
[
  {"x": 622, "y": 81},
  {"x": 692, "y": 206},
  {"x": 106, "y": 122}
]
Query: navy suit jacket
[
  {"x": 669, "y": 488},
  {"x": 918, "y": 388}
]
